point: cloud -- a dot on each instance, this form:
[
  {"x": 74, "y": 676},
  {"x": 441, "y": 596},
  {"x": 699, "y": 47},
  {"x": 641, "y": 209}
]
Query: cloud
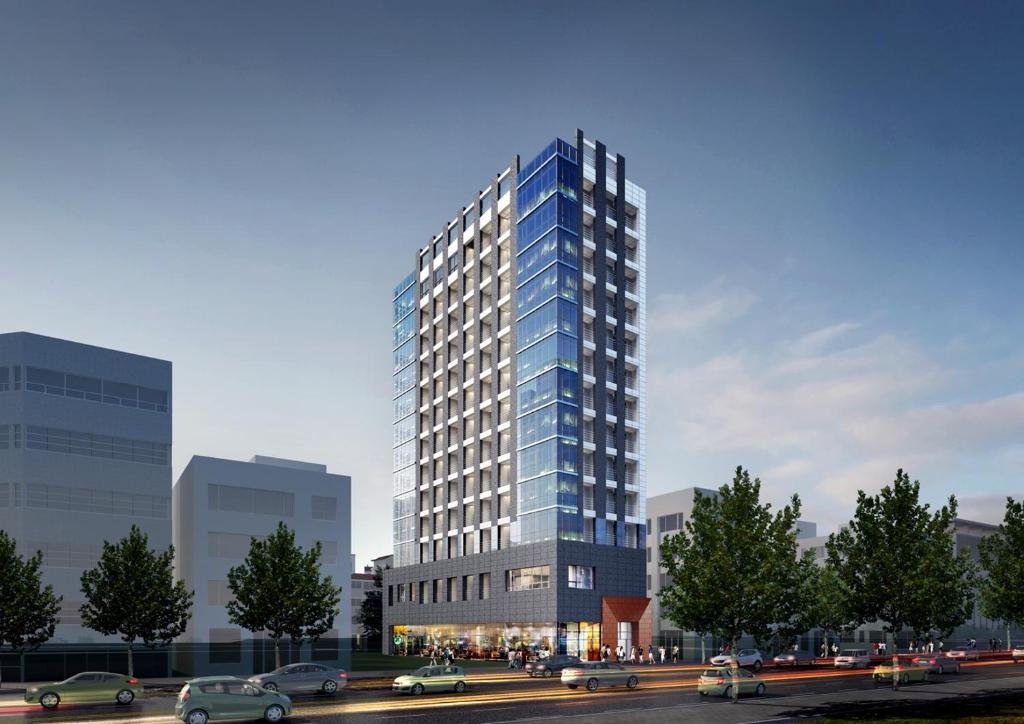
[
  {"x": 814, "y": 341},
  {"x": 714, "y": 304}
]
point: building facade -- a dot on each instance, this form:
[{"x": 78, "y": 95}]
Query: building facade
[
  {"x": 85, "y": 452},
  {"x": 519, "y": 375},
  {"x": 219, "y": 506},
  {"x": 362, "y": 583}
]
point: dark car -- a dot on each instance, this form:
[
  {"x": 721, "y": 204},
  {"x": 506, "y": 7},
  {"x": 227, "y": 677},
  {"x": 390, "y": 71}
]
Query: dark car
[
  {"x": 551, "y": 665},
  {"x": 794, "y": 658}
]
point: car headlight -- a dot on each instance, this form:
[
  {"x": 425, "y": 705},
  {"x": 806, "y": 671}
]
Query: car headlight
[{"x": 33, "y": 690}]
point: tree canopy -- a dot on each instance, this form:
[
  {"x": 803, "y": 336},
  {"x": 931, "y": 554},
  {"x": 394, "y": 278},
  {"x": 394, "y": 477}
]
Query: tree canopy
[
  {"x": 132, "y": 593},
  {"x": 1001, "y": 589},
  {"x": 279, "y": 589},
  {"x": 734, "y": 568},
  {"x": 371, "y": 610},
  {"x": 28, "y": 609},
  {"x": 897, "y": 565}
]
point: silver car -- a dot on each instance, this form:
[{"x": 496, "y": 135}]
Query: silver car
[
  {"x": 593, "y": 674},
  {"x": 295, "y": 678},
  {"x": 938, "y": 662}
]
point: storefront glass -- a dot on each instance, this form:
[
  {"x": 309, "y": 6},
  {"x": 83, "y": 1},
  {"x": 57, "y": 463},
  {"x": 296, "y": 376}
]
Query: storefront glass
[{"x": 493, "y": 641}]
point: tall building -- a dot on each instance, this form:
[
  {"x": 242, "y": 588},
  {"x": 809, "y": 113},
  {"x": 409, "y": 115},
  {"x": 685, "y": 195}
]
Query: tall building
[
  {"x": 85, "y": 452},
  {"x": 519, "y": 375},
  {"x": 219, "y": 506}
]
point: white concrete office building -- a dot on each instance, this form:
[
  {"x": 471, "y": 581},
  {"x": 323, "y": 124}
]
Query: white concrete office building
[
  {"x": 85, "y": 446},
  {"x": 218, "y": 506}
]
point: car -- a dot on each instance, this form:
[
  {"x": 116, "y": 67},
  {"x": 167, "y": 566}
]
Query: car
[
  {"x": 1017, "y": 656},
  {"x": 432, "y": 678},
  {"x": 745, "y": 657},
  {"x": 720, "y": 681},
  {"x": 794, "y": 658},
  {"x": 938, "y": 662},
  {"x": 592, "y": 674},
  {"x": 211, "y": 698},
  {"x": 852, "y": 659},
  {"x": 551, "y": 665},
  {"x": 303, "y": 677},
  {"x": 904, "y": 674},
  {"x": 964, "y": 653},
  {"x": 92, "y": 687}
]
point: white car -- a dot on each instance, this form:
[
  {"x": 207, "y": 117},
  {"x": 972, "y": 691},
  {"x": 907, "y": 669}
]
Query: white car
[
  {"x": 963, "y": 653},
  {"x": 1018, "y": 655},
  {"x": 853, "y": 659},
  {"x": 745, "y": 657}
]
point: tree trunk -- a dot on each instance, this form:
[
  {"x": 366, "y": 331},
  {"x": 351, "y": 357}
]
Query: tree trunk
[
  {"x": 277, "y": 653},
  {"x": 1009, "y": 647},
  {"x": 131, "y": 663},
  {"x": 703, "y": 655}
]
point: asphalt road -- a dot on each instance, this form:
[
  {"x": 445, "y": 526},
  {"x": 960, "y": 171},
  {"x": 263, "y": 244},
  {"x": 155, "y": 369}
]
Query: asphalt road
[{"x": 665, "y": 694}]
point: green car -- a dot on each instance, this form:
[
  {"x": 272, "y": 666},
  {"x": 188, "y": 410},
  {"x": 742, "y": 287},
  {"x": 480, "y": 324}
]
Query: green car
[
  {"x": 721, "y": 679},
  {"x": 89, "y": 687},
  {"x": 905, "y": 674},
  {"x": 432, "y": 678},
  {"x": 227, "y": 697}
]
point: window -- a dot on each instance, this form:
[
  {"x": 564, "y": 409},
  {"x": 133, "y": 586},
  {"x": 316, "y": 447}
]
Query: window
[
  {"x": 99, "y": 446},
  {"x": 225, "y": 646},
  {"x": 234, "y": 546},
  {"x": 5, "y": 379},
  {"x": 218, "y": 593},
  {"x": 581, "y": 577},
  {"x": 89, "y": 500},
  {"x": 485, "y": 586},
  {"x": 236, "y": 499},
  {"x": 670, "y": 522},
  {"x": 528, "y": 579},
  {"x": 54, "y": 382}
]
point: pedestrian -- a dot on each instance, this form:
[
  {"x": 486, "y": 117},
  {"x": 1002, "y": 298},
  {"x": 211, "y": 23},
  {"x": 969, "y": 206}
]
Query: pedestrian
[
  {"x": 675, "y": 653},
  {"x": 824, "y": 649},
  {"x": 511, "y": 659},
  {"x": 650, "y": 653},
  {"x": 661, "y": 654},
  {"x": 912, "y": 649},
  {"x": 835, "y": 649},
  {"x": 882, "y": 647}
]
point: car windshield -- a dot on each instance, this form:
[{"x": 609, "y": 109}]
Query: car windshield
[
  {"x": 748, "y": 652},
  {"x": 713, "y": 673},
  {"x": 422, "y": 671},
  {"x": 853, "y": 652}
]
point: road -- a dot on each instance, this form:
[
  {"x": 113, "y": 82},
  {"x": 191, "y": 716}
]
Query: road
[{"x": 665, "y": 694}]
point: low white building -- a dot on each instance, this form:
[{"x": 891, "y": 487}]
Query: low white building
[{"x": 218, "y": 506}]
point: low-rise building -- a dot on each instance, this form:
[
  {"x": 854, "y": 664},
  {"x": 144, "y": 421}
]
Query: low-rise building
[{"x": 218, "y": 507}]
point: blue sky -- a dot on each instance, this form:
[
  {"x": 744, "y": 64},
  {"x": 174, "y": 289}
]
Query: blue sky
[{"x": 835, "y": 217}]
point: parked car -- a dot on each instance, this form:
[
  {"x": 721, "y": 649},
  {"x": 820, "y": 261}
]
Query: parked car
[
  {"x": 904, "y": 674},
  {"x": 1018, "y": 655},
  {"x": 303, "y": 677},
  {"x": 432, "y": 678},
  {"x": 794, "y": 658},
  {"x": 938, "y": 663},
  {"x": 964, "y": 653},
  {"x": 593, "y": 674},
  {"x": 745, "y": 657},
  {"x": 721, "y": 680},
  {"x": 88, "y": 687},
  {"x": 853, "y": 659},
  {"x": 210, "y": 698},
  {"x": 551, "y": 665}
]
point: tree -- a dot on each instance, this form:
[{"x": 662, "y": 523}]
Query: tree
[
  {"x": 1001, "y": 591},
  {"x": 279, "y": 589},
  {"x": 132, "y": 593},
  {"x": 897, "y": 565},
  {"x": 734, "y": 567},
  {"x": 28, "y": 609},
  {"x": 371, "y": 611},
  {"x": 829, "y": 609}
]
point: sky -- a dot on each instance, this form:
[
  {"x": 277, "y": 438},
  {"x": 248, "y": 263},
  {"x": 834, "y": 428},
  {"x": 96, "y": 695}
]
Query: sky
[{"x": 835, "y": 217}]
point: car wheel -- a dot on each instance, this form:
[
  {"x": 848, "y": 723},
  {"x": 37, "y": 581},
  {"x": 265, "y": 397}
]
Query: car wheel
[
  {"x": 757, "y": 666},
  {"x": 632, "y": 682},
  {"x": 759, "y": 690},
  {"x": 573, "y": 686},
  {"x": 460, "y": 686},
  {"x": 547, "y": 673},
  {"x": 591, "y": 684},
  {"x": 702, "y": 693},
  {"x": 274, "y": 712},
  {"x": 49, "y": 700},
  {"x": 905, "y": 679},
  {"x": 197, "y": 716},
  {"x": 125, "y": 696},
  {"x": 330, "y": 686},
  {"x": 957, "y": 669},
  {"x": 417, "y": 689},
  {"x": 942, "y": 669},
  {"x": 727, "y": 694},
  {"x": 270, "y": 686}
]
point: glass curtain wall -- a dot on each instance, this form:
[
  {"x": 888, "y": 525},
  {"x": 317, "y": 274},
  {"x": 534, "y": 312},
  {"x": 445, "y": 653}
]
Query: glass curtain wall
[
  {"x": 547, "y": 280},
  {"x": 405, "y": 404}
]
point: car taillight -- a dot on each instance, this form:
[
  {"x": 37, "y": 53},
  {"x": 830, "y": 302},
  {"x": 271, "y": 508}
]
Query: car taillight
[
  {"x": 132, "y": 680},
  {"x": 721, "y": 679},
  {"x": 183, "y": 696},
  {"x": 343, "y": 675}
]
